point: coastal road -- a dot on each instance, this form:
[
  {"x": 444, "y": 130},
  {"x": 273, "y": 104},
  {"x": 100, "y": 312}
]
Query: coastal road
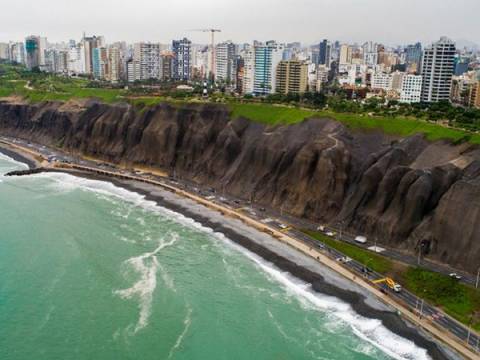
[{"x": 278, "y": 221}]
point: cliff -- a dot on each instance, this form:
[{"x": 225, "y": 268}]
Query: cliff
[{"x": 407, "y": 192}]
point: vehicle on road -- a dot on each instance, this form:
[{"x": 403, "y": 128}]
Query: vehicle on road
[
  {"x": 455, "y": 276},
  {"x": 390, "y": 283},
  {"x": 361, "y": 239},
  {"x": 330, "y": 233}
]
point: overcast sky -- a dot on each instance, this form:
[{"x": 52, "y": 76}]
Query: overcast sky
[{"x": 387, "y": 21}]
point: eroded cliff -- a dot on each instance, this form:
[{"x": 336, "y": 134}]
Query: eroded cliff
[{"x": 404, "y": 191}]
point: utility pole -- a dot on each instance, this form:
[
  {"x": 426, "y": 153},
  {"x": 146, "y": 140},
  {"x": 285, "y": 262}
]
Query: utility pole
[
  {"x": 478, "y": 277},
  {"x": 421, "y": 309},
  {"x": 469, "y": 331},
  {"x": 419, "y": 254}
]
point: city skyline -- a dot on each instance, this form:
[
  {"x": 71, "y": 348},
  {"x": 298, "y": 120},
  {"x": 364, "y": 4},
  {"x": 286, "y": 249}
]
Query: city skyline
[{"x": 307, "y": 21}]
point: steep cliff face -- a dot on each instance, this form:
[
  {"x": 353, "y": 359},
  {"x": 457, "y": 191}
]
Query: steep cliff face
[{"x": 406, "y": 192}]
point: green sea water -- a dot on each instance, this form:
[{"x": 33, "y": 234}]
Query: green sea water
[{"x": 92, "y": 271}]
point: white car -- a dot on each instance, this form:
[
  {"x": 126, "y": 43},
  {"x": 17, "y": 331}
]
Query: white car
[
  {"x": 455, "y": 276},
  {"x": 331, "y": 234}
]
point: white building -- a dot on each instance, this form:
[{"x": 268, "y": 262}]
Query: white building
[
  {"x": 381, "y": 81},
  {"x": 4, "y": 51},
  {"x": 133, "y": 71},
  {"x": 147, "y": 55},
  {"x": 225, "y": 54},
  {"x": 249, "y": 69},
  {"x": 114, "y": 68},
  {"x": 437, "y": 70},
  {"x": 411, "y": 89},
  {"x": 76, "y": 59},
  {"x": 17, "y": 52}
]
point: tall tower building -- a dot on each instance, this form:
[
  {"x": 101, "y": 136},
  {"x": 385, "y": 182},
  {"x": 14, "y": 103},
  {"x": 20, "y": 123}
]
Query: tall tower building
[
  {"x": 114, "y": 68},
  {"x": 267, "y": 58},
  {"x": 167, "y": 61},
  {"x": 32, "y": 48},
  {"x": 291, "y": 77},
  {"x": 324, "y": 53},
  {"x": 248, "y": 55},
  {"x": 182, "y": 66},
  {"x": 147, "y": 55},
  {"x": 90, "y": 43},
  {"x": 225, "y": 55},
  {"x": 437, "y": 70},
  {"x": 413, "y": 55},
  {"x": 345, "y": 54}
]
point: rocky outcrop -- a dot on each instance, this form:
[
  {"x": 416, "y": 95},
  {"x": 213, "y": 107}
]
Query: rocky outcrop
[{"x": 406, "y": 192}]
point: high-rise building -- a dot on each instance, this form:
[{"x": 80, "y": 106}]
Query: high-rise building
[
  {"x": 133, "y": 71},
  {"x": 182, "y": 62},
  {"x": 167, "y": 61},
  {"x": 99, "y": 63},
  {"x": 267, "y": 57},
  {"x": 32, "y": 48},
  {"x": 437, "y": 70},
  {"x": 225, "y": 57},
  {"x": 474, "y": 95},
  {"x": 345, "y": 54},
  {"x": 413, "y": 55},
  {"x": 5, "y": 51},
  {"x": 76, "y": 59},
  {"x": 148, "y": 56},
  {"x": 411, "y": 89},
  {"x": 248, "y": 55},
  {"x": 114, "y": 68},
  {"x": 397, "y": 80},
  {"x": 90, "y": 43},
  {"x": 17, "y": 53},
  {"x": 324, "y": 53},
  {"x": 240, "y": 72},
  {"x": 370, "y": 53},
  {"x": 291, "y": 77}
]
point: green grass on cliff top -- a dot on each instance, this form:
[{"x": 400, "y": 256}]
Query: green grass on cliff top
[
  {"x": 460, "y": 301},
  {"x": 277, "y": 115},
  {"x": 13, "y": 81}
]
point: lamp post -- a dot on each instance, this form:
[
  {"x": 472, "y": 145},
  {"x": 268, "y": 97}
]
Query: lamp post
[
  {"x": 469, "y": 331},
  {"x": 478, "y": 277}
]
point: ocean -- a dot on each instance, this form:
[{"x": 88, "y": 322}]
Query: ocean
[{"x": 89, "y": 270}]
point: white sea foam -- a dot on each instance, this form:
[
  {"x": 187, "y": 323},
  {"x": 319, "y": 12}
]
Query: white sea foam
[
  {"x": 11, "y": 160},
  {"x": 370, "y": 330},
  {"x": 146, "y": 265},
  {"x": 187, "y": 322}
]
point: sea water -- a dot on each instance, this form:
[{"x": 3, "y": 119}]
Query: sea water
[{"x": 92, "y": 271}]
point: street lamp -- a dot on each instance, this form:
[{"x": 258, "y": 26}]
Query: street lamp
[{"x": 478, "y": 277}]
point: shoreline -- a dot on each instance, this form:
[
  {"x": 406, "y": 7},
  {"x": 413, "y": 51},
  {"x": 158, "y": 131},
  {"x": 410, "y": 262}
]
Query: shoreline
[
  {"x": 323, "y": 282},
  {"x": 361, "y": 301},
  {"x": 17, "y": 156}
]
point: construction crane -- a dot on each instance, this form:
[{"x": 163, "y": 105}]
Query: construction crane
[{"x": 212, "y": 33}]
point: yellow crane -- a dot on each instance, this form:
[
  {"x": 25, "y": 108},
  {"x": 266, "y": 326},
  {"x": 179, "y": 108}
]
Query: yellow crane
[
  {"x": 212, "y": 60},
  {"x": 390, "y": 283}
]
